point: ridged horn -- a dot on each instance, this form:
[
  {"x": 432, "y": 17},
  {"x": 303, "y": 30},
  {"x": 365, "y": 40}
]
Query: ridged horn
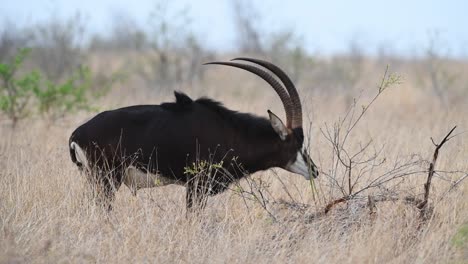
[
  {"x": 270, "y": 80},
  {"x": 293, "y": 95}
]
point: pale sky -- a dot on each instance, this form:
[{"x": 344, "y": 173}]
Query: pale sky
[{"x": 326, "y": 27}]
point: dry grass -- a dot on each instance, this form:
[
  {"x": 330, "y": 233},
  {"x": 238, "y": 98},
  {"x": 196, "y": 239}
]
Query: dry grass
[{"x": 45, "y": 216}]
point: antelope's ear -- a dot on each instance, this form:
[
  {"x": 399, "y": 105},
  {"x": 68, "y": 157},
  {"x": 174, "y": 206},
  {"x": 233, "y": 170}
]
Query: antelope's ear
[{"x": 278, "y": 125}]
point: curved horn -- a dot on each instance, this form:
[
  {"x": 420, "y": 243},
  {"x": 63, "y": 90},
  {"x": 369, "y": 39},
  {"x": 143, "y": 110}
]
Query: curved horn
[
  {"x": 295, "y": 100},
  {"x": 269, "y": 79}
]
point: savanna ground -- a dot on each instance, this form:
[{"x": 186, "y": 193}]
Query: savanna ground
[{"x": 46, "y": 216}]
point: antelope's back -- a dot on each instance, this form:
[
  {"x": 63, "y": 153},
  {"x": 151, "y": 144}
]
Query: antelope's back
[{"x": 163, "y": 138}]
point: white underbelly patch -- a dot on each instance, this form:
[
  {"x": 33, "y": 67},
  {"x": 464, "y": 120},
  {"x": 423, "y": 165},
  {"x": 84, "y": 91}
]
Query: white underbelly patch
[{"x": 135, "y": 179}]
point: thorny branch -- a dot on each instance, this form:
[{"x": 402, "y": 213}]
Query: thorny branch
[
  {"x": 354, "y": 167},
  {"x": 421, "y": 204},
  {"x": 340, "y": 133}
]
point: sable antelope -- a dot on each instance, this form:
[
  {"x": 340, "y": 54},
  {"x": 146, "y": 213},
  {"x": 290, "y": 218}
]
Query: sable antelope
[{"x": 152, "y": 145}]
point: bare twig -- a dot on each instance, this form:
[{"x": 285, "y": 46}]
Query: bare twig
[
  {"x": 423, "y": 206},
  {"x": 457, "y": 182}
]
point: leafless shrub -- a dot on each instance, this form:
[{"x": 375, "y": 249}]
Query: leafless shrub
[
  {"x": 12, "y": 39},
  {"x": 355, "y": 174},
  {"x": 249, "y": 36},
  {"x": 176, "y": 54},
  {"x": 437, "y": 75},
  {"x": 363, "y": 160},
  {"x": 58, "y": 46},
  {"x": 343, "y": 73},
  {"x": 284, "y": 47},
  {"x": 125, "y": 35},
  {"x": 196, "y": 55}
]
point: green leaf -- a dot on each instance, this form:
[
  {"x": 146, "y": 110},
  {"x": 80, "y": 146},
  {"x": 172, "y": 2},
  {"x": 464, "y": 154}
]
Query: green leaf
[{"x": 5, "y": 70}]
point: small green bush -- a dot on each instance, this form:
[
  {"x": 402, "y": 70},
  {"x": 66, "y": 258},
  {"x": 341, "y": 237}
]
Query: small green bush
[
  {"x": 55, "y": 100},
  {"x": 15, "y": 93},
  {"x": 32, "y": 93}
]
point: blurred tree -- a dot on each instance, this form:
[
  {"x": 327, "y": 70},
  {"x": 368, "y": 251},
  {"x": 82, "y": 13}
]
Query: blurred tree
[
  {"x": 176, "y": 53},
  {"x": 11, "y": 39},
  {"x": 249, "y": 34},
  {"x": 125, "y": 34},
  {"x": 58, "y": 46},
  {"x": 283, "y": 47}
]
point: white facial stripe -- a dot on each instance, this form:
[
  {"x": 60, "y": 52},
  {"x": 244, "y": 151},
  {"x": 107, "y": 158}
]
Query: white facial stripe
[{"x": 299, "y": 166}]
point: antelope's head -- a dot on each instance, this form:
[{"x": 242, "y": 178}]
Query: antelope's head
[{"x": 295, "y": 157}]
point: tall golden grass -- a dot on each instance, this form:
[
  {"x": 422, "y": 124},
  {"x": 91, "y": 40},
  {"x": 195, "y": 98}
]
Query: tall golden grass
[{"x": 46, "y": 217}]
